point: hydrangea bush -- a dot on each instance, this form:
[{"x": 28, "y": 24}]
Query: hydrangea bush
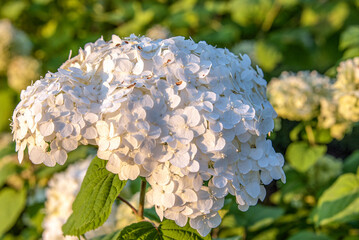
[
  {"x": 347, "y": 93},
  {"x": 297, "y": 97},
  {"x": 189, "y": 118},
  {"x": 306, "y": 96}
]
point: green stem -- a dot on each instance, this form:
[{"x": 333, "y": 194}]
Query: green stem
[
  {"x": 142, "y": 199},
  {"x": 310, "y": 134}
]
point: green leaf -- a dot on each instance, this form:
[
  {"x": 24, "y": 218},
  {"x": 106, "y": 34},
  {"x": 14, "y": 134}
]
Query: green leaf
[
  {"x": 309, "y": 236},
  {"x": 351, "y": 52},
  {"x": 7, "y": 150},
  {"x": 171, "y": 230},
  {"x": 267, "y": 55},
  {"x": 6, "y": 170},
  {"x": 270, "y": 234},
  {"x": 351, "y": 163},
  {"x": 12, "y": 203},
  {"x": 295, "y": 184},
  {"x": 111, "y": 236},
  {"x": 302, "y": 156},
  {"x": 13, "y": 9},
  {"x": 261, "y": 216},
  {"x": 288, "y": 3},
  {"x": 322, "y": 136},
  {"x": 167, "y": 230},
  {"x": 294, "y": 133},
  {"x": 257, "y": 217},
  {"x": 93, "y": 203},
  {"x": 349, "y": 38},
  {"x": 340, "y": 202},
  {"x": 140, "y": 231},
  {"x": 34, "y": 216},
  {"x": 230, "y": 238}
]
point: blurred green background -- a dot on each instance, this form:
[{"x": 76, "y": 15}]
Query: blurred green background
[{"x": 319, "y": 202}]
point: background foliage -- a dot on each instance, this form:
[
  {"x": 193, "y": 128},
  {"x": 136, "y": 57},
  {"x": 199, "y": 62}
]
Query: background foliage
[{"x": 321, "y": 197}]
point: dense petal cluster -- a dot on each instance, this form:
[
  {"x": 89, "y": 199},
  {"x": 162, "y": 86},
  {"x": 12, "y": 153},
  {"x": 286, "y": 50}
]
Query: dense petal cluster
[
  {"x": 298, "y": 96},
  {"x": 309, "y": 95},
  {"x": 348, "y": 75},
  {"x": 347, "y": 90},
  {"x": 190, "y": 118},
  {"x": 61, "y": 193}
]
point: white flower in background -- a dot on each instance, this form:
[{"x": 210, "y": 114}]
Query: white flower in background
[
  {"x": 21, "y": 72},
  {"x": 342, "y": 110},
  {"x": 309, "y": 95},
  {"x": 13, "y": 42},
  {"x": 348, "y": 106},
  {"x": 158, "y": 32},
  {"x": 347, "y": 90},
  {"x": 61, "y": 193},
  {"x": 297, "y": 96},
  {"x": 348, "y": 75},
  {"x": 174, "y": 111}
]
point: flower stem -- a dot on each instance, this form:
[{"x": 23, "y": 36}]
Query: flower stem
[
  {"x": 310, "y": 134},
  {"x": 142, "y": 199},
  {"x": 134, "y": 210}
]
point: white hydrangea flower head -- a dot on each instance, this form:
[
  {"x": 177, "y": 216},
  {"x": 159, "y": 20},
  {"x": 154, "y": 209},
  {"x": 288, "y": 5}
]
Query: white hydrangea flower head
[
  {"x": 348, "y": 75},
  {"x": 347, "y": 90},
  {"x": 21, "y": 71},
  {"x": 176, "y": 112},
  {"x": 341, "y": 110},
  {"x": 329, "y": 117},
  {"x": 348, "y": 106},
  {"x": 297, "y": 96},
  {"x": 61, "y": 193}
]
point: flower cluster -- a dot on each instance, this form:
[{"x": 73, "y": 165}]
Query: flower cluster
[
  {"x": 15, "y": 62},
  {"x": 348, "y": 75},
  {"x": 297, "y": 97},
  {"x": 309, "y": 95},
  {"x": 61, "y": 193},
  {"x": 190, "y": 118},
  {"x": 347, "y": 90}
]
